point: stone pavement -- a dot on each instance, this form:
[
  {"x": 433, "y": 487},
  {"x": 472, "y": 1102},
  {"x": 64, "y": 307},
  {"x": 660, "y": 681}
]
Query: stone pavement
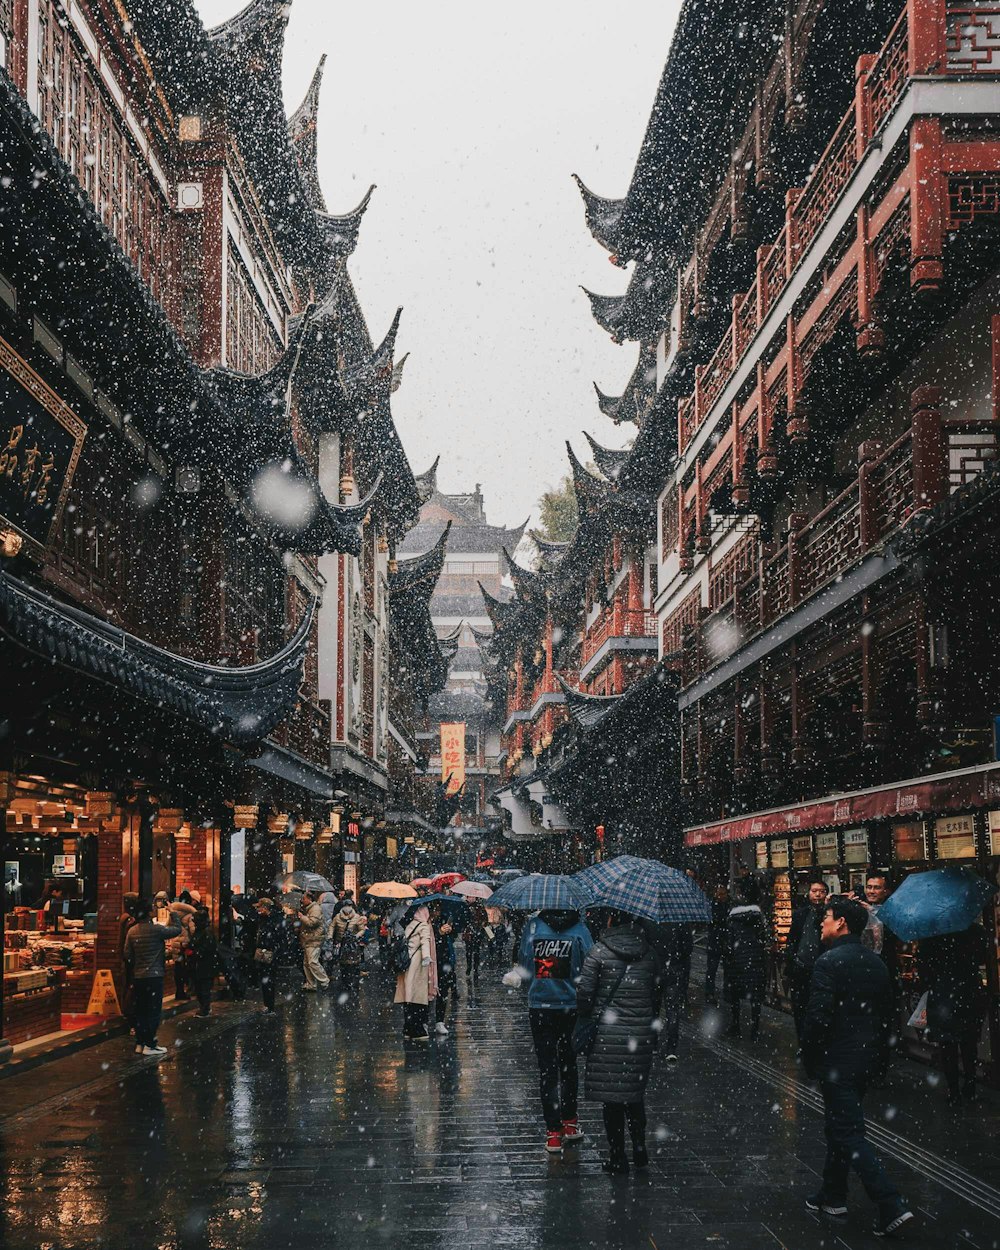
[{"x": 318, "y": 1128}]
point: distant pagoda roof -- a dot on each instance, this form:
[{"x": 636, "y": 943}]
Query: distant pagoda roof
[
  {"x": 603, "y": 218},
  {"x": 239, "y": 705}
]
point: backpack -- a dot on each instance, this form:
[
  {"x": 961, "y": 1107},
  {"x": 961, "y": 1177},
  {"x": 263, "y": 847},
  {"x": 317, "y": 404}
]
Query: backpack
[
  {"x": 350, "y": 949},
  {"x": 400, "y": 955}
]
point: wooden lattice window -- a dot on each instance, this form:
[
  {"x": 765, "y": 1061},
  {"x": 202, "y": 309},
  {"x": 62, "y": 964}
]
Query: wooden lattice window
[
  {"x": 668, "y": 523},
  {"x": 251, "y": 344}
]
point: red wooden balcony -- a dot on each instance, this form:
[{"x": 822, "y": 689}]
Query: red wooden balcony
[
  {"x": 631, "y": 624},
  {"x": 863, "y": 517},
  {"x": 944, "y": 40}
]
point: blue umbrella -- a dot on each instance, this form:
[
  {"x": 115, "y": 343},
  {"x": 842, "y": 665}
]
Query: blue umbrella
[
  {"x": 928, "y": 904},
  {"x": 542, "y": 892},
  {"x": 656, "y": 892},
  {"x": 449, "y": 902},
  {"x": 598, "y": 876}
]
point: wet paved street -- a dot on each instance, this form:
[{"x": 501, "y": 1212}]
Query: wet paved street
[{"x": 317, "y": 1129}]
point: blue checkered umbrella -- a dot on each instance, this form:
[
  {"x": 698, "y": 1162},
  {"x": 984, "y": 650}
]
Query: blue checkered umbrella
[
  {"x": 655, "y": 892},
  {"x": 598, "y": 876},
  {"x": 542, "y": 892}
]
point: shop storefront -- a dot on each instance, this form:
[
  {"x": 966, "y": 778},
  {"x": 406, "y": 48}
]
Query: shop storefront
[{"x": 892, "y": 830}]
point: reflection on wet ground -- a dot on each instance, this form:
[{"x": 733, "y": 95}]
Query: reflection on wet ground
[{"x": 317, "y": 1127}]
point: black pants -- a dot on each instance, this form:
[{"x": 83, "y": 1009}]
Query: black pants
[
  {"x": 180, "y": 977},
  {"x": 799, "y": 994},
  {"x": 672, "y": 1000},
  {"x": 714, "y": 956},
  {"x": 615, "y": 1115},
  {"x": 473, "y": 956},
  {"x": 350, "y": 978},
  {"x": 148, "y": 1007},
  {"x": 447, "y": 993},
  {"x": 966, "y": 1048},
  {"x": 734, "y": 1024},
  {"x": 268, "y": 975},
  {"x": 415, "y": 1019},
  {"x": 552, "y": 1033},
  {"x": 847, "y": 1146},
  {"x": 203, "y": 988}
]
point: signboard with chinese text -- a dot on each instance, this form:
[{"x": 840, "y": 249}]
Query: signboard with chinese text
[
  {"x": 855, "y": 846},
  {"x": 994, "y": 818},
  {"x": 908, "y": 842},
  {"x": 802, "y": 851},
  {"x": 779, "y": 853},
  {"x": 955, "y": 837},
  {"x": 40, "y": 442},
  {"x": 453, "y": 755},
  {"x": 826, "y": 849}
]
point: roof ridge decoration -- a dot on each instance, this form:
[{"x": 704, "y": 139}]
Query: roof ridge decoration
[
  {"x": 500, "y": 613},
  {"x": 591, "y": 492},
  {"x": 242, "y": 705},
  {"x": 632, "y": 405},
  {"x": 587, "y": 710},
  {"x": 302, "y": 126},
  {"x": 609, "y": 460},
  {"x": 530, "y": 587},
  {"x": 603, "y": 219},
  {"x": 340, "y": 230},
  {"x": 607, "y": 311},
  {"x": 514, "y": 536},
  {"x": 427, "y": 481},
  {"x": 397, "y": 373}
]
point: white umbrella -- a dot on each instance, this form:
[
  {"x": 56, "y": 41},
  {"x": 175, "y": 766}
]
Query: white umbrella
[{"x": 472, "y": 889}]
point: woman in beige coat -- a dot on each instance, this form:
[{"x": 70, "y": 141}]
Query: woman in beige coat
[{"x": 417, "y": 986}]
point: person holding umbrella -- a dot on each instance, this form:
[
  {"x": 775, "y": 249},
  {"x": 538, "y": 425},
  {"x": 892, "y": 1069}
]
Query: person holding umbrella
[
  {"x": 620, "y": 991},
  {"x": 948, "y": 968},
  {"x": 417, "y": 986}
]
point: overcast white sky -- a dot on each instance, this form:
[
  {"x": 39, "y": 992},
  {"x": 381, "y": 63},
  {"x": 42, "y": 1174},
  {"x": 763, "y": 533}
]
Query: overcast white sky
[{"x": 471, "y": 119}]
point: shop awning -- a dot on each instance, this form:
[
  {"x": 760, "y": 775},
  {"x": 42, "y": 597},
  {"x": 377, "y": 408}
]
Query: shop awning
[{"x": 920, "y": 796}]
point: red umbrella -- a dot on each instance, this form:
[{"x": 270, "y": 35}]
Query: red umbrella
[{"x": 445, "y": 880}]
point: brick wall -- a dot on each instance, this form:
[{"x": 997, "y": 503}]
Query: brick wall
[
  {"x": 197, "y": 866},
  {"x": 110, "y": 888}
]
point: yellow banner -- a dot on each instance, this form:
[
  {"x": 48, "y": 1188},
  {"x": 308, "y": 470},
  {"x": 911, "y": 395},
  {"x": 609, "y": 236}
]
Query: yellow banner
[{"x": 453, "y": 755}]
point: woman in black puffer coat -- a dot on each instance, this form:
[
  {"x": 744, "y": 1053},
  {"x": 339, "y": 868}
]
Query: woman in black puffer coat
[{"x": 618, "y": 1068}]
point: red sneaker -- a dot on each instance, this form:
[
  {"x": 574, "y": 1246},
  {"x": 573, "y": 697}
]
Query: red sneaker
[
  {"x": 571, "y": 1131},
  {"x": 553, "y": 1142}
]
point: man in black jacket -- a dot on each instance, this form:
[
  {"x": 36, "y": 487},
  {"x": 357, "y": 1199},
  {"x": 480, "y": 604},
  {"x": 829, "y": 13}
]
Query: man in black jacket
[
  {"x": 845, "y": 1036},
  {"x": 802, "y": 950}
]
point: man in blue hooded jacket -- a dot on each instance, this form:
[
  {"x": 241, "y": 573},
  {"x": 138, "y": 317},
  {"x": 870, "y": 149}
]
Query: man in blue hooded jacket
[{"x": 553, "y": 947}]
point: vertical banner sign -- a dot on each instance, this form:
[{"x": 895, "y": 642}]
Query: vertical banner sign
[{"x": 453, "y": 755}]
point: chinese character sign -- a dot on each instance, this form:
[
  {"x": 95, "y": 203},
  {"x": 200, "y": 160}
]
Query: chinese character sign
[
  {"x": 40, "y": 439},
  {"x": 453, "y": 755}
]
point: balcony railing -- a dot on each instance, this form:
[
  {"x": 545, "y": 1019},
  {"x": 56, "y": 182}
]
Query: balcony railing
[
  {"x": 633, "y": 623},
  {"x": 862, "y": 517},
  {"x": 968, "y": 45}
]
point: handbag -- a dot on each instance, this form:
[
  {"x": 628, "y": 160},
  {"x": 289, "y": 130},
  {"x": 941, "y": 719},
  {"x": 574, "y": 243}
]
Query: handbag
[
  {"x": 262, "y": 956},
  {"x": 585, "y": 1030}
]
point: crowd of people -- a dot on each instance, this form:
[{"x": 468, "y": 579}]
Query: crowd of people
[{"x": 605, "y": 987}]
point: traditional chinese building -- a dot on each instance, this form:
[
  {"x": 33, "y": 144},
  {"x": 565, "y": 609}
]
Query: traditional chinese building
[
  {"x": 474, "y": 559},
  {"x": 815, "y": 210},
  {"x": 201, "y": 488}
]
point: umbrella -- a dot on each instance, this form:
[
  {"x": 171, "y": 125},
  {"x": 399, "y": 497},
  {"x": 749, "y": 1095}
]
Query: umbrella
[
  {"x": 597, "y": 876},
  {"x": 444, "y": 879},
  {"x": 508, "y": 872},
  {"x": 542, "y": 892},
  {"x": 391, "y": 889},
  {"x": 656, "y": 892},
  {"x": 449, "y": 903},
  {"x": 417, "y": 882},
  {"x": 928, "y": 904},
  {"x": 472, "y": 889},
  {"x": 307, "y": 881}
]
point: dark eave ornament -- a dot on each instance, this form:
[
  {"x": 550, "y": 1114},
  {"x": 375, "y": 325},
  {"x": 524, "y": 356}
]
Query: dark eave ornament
[{"x": 603, "y": 220}]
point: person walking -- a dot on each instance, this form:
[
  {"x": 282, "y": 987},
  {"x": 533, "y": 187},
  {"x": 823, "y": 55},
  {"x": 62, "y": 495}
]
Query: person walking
[
  {"x": 553, "y": 947},
  {"x": 146, "y": 958},
  {"x": 417, "y": 987},
  {"x": 948, "y": 968},
  {"x": 670, "y": 945},
  {"x": 474, "y": 937},
  {"x": 620, "y": 989},
  {"x": 802, "y": 949},
  {"x": 181, "y": 912},
  {"x": 125, "y": 922},
  {"x": 447, "y": 958},
  {"x": 744, "y": 958},
  {"x": 310, "y": 923},
  {"x": 270, "y": 939},
  {"x": 347, "y": 929},
  {"x": 203, "y": 961},
  {"x": 845, "y": 1032},
  {"x": 715, "y": 941}
]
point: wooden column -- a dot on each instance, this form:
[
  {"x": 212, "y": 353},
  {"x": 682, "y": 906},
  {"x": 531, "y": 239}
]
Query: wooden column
[
  {"x": 871, "y": 704},
  {"x": 927, "y": 206},
  {"x": 868, "y": 520},
  {"x": 929, "y": 462},
  {"x": 6, "y": 780},
  {"x": 925, "y": 36}
]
